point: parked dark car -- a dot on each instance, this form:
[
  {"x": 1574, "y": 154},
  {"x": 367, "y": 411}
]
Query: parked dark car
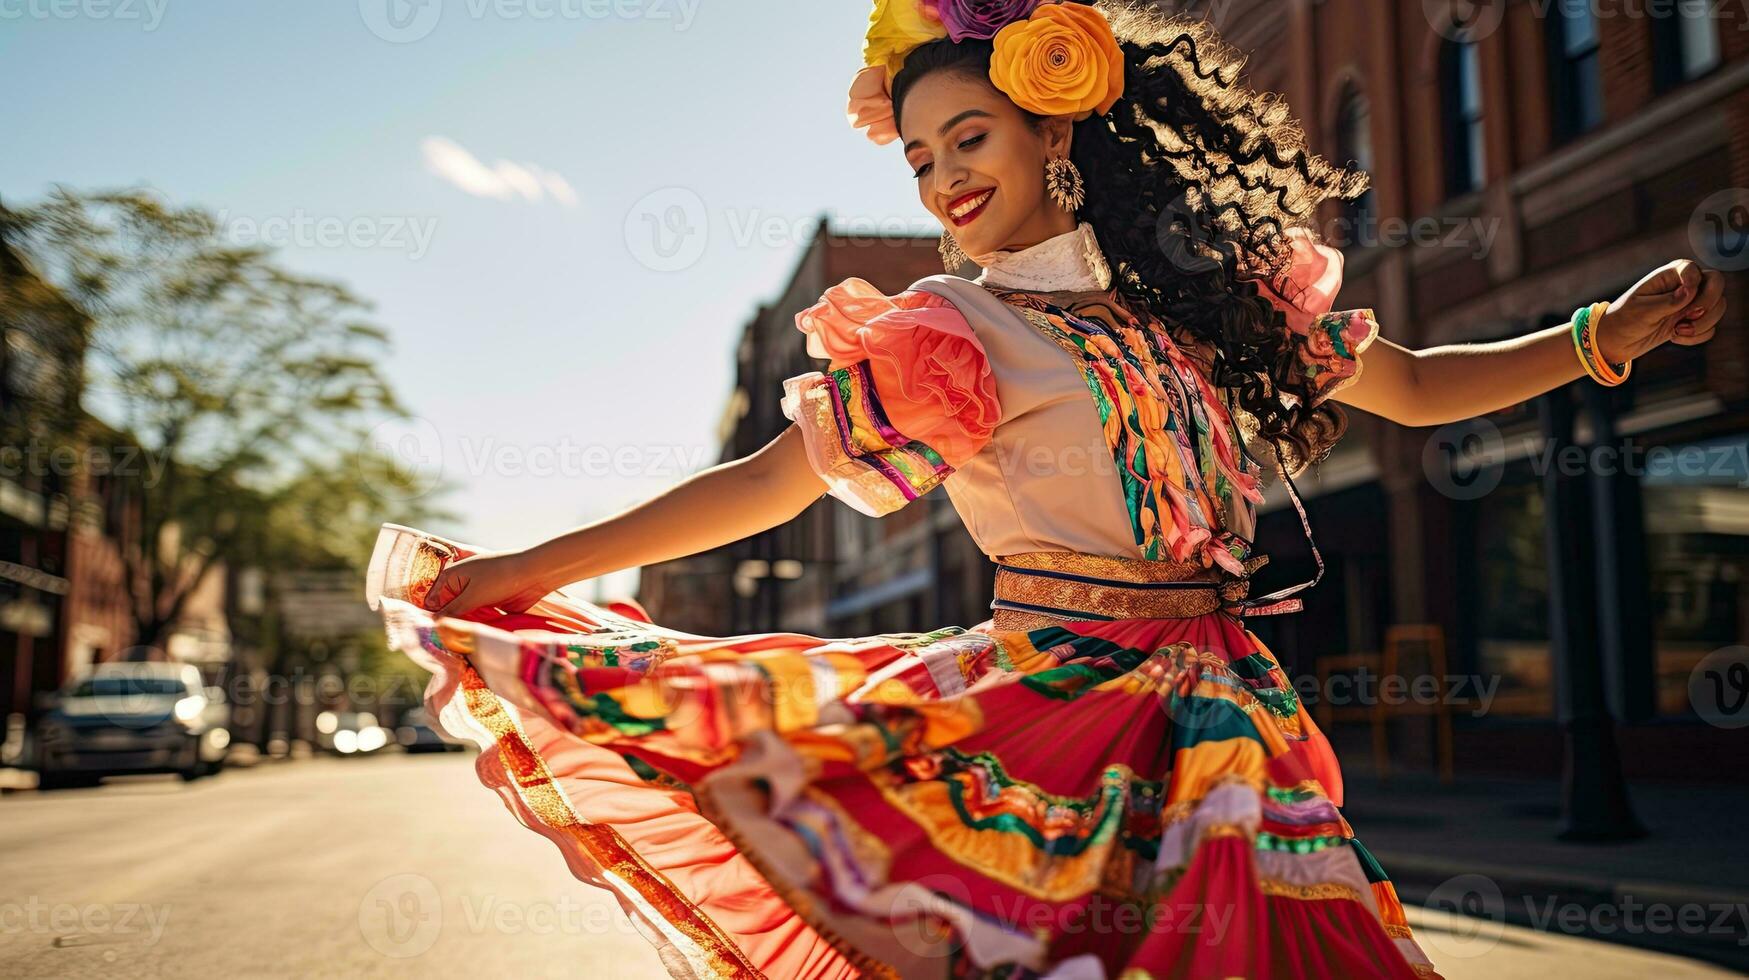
[
  {"x": 131, "y": 718},
  {"x": 417, "y": 733}
]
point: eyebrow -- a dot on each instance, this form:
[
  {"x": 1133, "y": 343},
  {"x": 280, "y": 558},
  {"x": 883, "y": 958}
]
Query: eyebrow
[{"x": 951, "y": 123}]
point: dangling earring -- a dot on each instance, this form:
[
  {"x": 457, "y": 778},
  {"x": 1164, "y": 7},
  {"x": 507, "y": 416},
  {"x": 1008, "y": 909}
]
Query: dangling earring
[
  {"x": 1063, "y": 181},
  {"x": 951, "y": 256}
]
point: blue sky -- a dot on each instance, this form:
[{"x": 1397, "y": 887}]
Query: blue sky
[{"x": 540, "y": 327}]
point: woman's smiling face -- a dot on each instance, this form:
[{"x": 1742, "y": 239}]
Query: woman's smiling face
[{"x": 980, "y": 163}]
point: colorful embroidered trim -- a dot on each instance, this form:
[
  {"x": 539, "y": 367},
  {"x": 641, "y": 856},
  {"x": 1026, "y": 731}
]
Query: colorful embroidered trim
[
  {"x": 533, "y": 784},
  {"x": 1176, "y": 449},
  {"x": 868, "y": 463},
  {"x": 1332, "y": 347}
]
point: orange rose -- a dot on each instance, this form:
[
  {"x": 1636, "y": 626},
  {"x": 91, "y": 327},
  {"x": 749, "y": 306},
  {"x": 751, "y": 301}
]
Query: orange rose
[{"x": 1061, "y": 61}]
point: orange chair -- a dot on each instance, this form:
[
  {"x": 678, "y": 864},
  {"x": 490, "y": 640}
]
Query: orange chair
[{"x": 1379, "y": 713}]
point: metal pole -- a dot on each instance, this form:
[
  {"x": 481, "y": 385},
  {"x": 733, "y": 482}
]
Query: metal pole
[
  {"x": 1594, "y": 800},
  {"x": 1623, "y": 583}
]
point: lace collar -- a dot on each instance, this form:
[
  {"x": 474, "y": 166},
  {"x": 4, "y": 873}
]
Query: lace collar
[{"x": 1070, "y": 262}]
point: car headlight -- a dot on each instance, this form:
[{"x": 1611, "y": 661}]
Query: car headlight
[{"x": 188, "y": 709}]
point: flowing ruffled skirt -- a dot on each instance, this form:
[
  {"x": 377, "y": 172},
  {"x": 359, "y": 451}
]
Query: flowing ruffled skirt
[{"x": 1134, "y": 798}]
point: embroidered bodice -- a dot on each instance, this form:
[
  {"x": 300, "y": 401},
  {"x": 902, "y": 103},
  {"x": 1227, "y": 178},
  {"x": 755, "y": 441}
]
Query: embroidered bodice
[{"x": 1058, "y": 417}]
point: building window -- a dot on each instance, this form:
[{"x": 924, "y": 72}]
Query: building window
[
  {"x": 1460, "y": 79},
  {"x": 1685, "y": 43},
  {"x": 1573, "y": 63},
  {"x": 1697, "y": 550},
  {"x": 1506, "y": 612},
  {"x": 1354, "y": 144}
]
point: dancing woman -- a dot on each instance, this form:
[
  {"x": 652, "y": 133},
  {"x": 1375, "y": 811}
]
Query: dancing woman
[{"x": 1112, "y": 776}]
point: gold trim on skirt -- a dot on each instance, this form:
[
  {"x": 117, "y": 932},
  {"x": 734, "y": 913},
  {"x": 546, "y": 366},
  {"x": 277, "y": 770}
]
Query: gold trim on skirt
[{"x": 1121, "y": 593}]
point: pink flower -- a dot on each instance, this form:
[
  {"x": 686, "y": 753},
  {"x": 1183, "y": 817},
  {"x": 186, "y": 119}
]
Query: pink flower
[{"x": 871, "y": 105}]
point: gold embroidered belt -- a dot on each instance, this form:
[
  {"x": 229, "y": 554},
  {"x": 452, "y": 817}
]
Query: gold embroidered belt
[{"x": 1045, "y": 588}]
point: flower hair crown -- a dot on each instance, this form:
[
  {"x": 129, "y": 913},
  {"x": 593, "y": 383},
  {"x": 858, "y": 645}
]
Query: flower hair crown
[{"x": 1053, "y": 58}]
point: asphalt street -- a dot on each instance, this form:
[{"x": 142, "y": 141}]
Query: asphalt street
[{"x": 404, "y": 866}]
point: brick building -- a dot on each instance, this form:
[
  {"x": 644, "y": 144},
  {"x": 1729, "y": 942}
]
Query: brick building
[
  {"x": 62, "y": 525},
  {"x": 1542, "y": 155},
  {"x": 831, "y": 571},
  {"x": 1539, "y": 156}
]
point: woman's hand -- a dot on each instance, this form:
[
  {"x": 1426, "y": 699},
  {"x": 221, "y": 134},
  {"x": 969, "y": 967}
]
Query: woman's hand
[
  {"x": 1678, "y": 301},
  {"x": 507, "y": 580}
]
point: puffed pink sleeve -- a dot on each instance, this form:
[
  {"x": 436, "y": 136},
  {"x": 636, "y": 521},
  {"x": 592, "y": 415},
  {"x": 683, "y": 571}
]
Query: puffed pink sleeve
[
  {"x": 1329, "y": 342},
  {"x": 906, "y": 398}
]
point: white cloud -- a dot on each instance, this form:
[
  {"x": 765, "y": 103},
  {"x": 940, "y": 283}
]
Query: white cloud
[
  {"x": 500, "y": 181},
  {"x": 558, "y": 187}
]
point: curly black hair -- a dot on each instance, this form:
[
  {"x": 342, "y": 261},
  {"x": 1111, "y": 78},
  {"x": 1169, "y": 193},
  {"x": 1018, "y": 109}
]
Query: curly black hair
[{"x": 1192, "y": 181}]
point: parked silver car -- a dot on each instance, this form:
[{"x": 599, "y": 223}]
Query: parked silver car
[{"x": 133, "y": 717}]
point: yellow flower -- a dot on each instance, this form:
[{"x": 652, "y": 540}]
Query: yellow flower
[
  {"x": 895, "y": 27},
  {"x": 1061, "y": 61}
]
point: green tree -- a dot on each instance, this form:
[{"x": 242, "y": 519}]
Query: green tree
[{"x": 250, "y": 386}]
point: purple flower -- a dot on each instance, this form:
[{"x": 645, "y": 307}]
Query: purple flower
[{"x": 980, "y": 18}]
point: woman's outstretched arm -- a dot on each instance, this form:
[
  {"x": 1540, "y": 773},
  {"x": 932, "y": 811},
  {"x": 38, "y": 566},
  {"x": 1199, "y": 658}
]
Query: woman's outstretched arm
[
  {"x": 1678, "y": 302},
  {"x": 711, "y": 508}
]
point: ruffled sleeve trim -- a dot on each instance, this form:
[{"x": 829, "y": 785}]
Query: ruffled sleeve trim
[
  {"x": 1329, "y": 343},
  {"x": 908, "y": 395},
  {"x": 1332, "y": 348}
]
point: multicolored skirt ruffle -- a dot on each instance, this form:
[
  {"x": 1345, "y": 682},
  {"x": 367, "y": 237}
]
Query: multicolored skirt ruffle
[{"x": 1130, "y": 798}]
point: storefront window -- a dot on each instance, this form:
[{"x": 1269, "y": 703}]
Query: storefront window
[
  {"x": 1509, "y": 605},
  {"x": 1696, "y": 498}
]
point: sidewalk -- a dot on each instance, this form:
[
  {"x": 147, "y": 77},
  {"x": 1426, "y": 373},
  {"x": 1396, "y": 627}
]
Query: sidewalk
[{"x": 1489, "y": 846}]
